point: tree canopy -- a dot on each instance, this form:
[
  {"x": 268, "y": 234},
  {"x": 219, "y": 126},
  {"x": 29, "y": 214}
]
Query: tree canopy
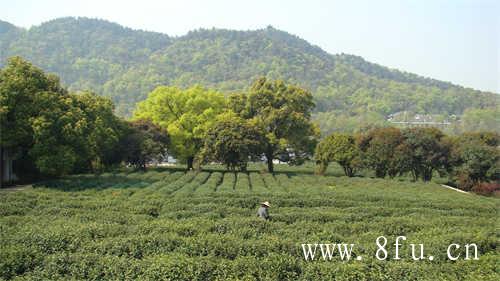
[
  {"x": 340, "y": 148},
  {"x": 283, "y": 111},
  {"x": 426, "y": 150},
  {"x": 185, "y": 114},
  {"x": 476, "y": 159},
  {"x": 382, "y": 150},
  {"x": 52, "y": 130},
  {"x": 233, "y": 141},
  {"x": 145, "y": 143}
]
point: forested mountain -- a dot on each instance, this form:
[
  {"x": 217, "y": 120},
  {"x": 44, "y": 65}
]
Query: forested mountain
[{"x": 126, "y": 64}]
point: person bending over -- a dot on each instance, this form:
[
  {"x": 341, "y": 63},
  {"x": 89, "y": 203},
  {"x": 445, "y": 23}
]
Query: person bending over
[{"x": 263, "y": 210}]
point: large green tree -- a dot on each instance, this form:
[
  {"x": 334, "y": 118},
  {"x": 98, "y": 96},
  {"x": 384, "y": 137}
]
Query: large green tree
[
  {"x": 58, "y": 134},
  {"x": 186, "y": 114},
  {"x": 476, "y": 159},
  {"x": 74, "y": 133},
  {"x": 233, "y": 141},
  {"x": 340, "y": 148},
  {"x": 20, "y": 85},
  {"x": 426, "y": 151},
  {"x": 51, "y": 130},
  {"x": 382, "y": 151},
  {"x": 283, "y": 111},
  {"x": 20, "y": 82},
  {"x": 102, "y": 132},
  {"x": 145, "y": 142}
]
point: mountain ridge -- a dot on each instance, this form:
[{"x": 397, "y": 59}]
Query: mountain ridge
[
  {"x": 126, "y": 64},
  {"x": 193, "y": 33}
]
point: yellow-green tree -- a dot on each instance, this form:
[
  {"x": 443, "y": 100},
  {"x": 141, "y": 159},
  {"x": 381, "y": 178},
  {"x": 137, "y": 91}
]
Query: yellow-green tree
[
  {"x": 340, "y": 148},
  {"x": 186, "y": 114}
]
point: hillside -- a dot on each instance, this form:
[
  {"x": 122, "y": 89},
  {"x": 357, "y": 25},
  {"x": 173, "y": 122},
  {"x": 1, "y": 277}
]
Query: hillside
[{"x": 126, "y": 64}]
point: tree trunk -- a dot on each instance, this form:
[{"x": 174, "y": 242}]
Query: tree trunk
[
  {"x": 348, "y": 171},
  {"x": 269, "y": 156},
  {"x": 243, "y": 167},
  {"x": 322, "y": 166},
  {"x": 197, "y": 165},
  {"x": 380, "y": 173},
  {"x": 270, "y": 166},
  {"x": 1, "y": 167},
  {"x": 414, "y": 174},
  {"x": 427, "y": 175},
  {"x": 235, "y": 173},
  {"x": 190, "y": 161}
]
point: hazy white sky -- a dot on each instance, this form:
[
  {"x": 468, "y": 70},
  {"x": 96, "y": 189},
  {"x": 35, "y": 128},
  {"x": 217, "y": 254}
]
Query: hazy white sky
[{"x": 455, "y": 40}]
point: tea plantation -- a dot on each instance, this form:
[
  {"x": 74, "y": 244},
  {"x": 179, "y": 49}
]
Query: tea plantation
[{"x": 166, "y": 224}]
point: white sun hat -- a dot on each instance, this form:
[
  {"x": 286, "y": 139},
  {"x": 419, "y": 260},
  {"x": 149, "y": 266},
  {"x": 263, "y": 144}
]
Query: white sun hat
[{"x": 266, "y": 204}]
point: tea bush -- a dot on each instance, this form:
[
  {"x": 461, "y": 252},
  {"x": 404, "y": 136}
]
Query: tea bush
[
  {"x": 228, "y": 183},
  {"x": 214, "y": 180},
  {"x": 242, "y": 183},
  {"x": 166, "y": 224}
]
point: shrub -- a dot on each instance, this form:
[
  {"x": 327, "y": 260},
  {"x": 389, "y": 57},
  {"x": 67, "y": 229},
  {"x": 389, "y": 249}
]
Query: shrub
[{"x": 487, "y": 188}]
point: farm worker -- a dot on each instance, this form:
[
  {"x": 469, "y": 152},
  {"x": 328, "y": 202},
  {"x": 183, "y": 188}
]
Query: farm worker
[{"x": 262, "y": 212}]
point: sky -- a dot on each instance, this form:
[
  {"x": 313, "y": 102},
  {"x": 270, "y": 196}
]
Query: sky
[{"x": 455, "y": 40}]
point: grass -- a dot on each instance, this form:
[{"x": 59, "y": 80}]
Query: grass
[{"x": 165, "y": 224}]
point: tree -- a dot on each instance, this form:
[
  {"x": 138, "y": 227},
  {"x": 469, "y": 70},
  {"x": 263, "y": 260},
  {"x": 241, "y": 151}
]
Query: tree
[
  {"x": 233, "y": 141},
  {"x": 145, "y": 142},
  {"x": 20, "y": 84},
  {"x": 82, "y": 127},
  {"x": 382, "y": 151},
  {"x": 52, "y": 131},
  {"x": 486, "y": 138},
  {"x": 102, "y": 130},
  {"x": 56, "y": 135},
  {"x": 476, "y": 159},
  {"x": 481, "y": 119},
  {"x": 340, "y": 148},
  {"x": 426, "y": 151},
  {"x": 283, "y": 112},
  {"x": 185, "y": 114}
]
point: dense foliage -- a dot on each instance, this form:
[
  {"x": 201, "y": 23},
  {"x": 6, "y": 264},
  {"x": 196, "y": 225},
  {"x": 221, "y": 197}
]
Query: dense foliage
[
  {"x": 340, "y": 148},
  {"x": 471, "y": 160},
  {"x": 185, "y": 114},
  {"x": 57, "y": 133},
  {"x": 51, "y": 130},
  {"x": 171, "y": 225},
  {"x": 383, "y": 151},
  {"x": 476, "y": 160},
  {"x": 233, "y": 141},
  {"x": 272, "y": 120},
  {"x": 145, "y": 143},
  {"x": 123, "y": 64},
  {"x": 283, "y": 112},
  {"x": 425, "y": 152}
]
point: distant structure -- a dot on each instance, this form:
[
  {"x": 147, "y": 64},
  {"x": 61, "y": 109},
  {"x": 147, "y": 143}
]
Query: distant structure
[{"x": 408, "y": 120}]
